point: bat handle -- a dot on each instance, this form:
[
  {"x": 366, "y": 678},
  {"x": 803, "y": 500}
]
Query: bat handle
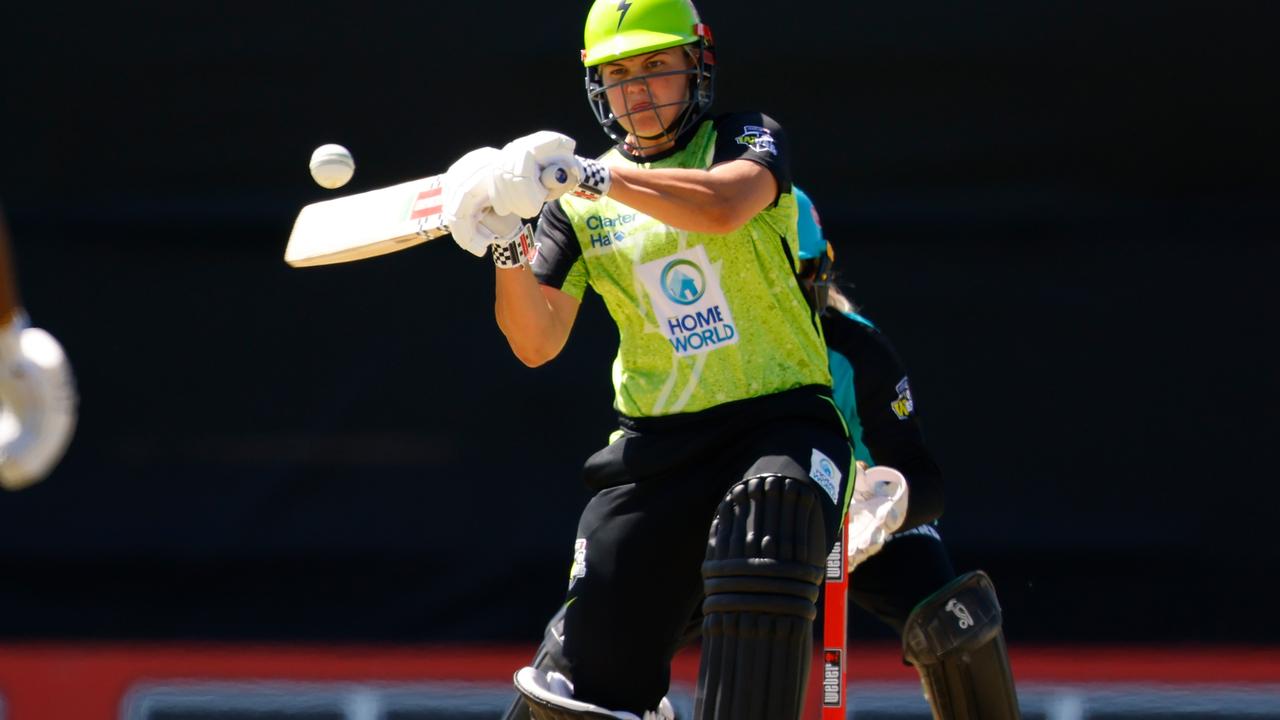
[{"x": 557, "y": 179}]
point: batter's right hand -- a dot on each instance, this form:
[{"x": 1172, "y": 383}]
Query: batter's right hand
[{"x": 517, "y": 187}]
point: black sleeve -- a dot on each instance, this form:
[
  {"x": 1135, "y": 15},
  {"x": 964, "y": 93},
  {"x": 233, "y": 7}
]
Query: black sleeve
[
  {"x": 558, "y": 247},
  {"x": 891, "y": 427},
  {"x": 755, "y": 137}
]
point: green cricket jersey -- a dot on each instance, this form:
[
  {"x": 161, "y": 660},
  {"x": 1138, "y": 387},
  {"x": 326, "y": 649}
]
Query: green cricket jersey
[{"x": 702, "y": 319}]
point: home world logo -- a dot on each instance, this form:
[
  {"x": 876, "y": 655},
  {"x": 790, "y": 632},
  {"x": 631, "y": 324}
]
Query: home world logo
[
  {"x": 704, "y": 326},
  {"x": 688, "y": 302},
  {"x": 683, "y": 282}
]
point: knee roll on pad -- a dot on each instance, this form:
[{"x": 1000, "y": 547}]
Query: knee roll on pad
[
  {"x": 766, "y": 556},
  {"x": 954, "y": 639}
]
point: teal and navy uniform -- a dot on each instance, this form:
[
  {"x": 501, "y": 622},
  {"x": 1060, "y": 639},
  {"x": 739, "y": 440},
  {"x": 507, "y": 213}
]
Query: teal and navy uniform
[
  {"x": 874, "y": 395},
  {"x": 871, "y": 388},
  {"x": 873, "y": 392},
  {"x": 721, "y": 374}
]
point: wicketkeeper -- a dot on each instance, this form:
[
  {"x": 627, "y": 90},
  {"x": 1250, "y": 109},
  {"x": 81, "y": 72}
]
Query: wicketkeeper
[{"x": 899, "y": 569}]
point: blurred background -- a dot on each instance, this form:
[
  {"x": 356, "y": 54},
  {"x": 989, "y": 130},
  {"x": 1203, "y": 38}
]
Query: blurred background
[{"x": 1064, "y": 213}]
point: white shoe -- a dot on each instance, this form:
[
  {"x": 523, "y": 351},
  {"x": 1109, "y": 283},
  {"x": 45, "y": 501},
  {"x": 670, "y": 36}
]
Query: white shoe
[{"x": 550, "y": 697}]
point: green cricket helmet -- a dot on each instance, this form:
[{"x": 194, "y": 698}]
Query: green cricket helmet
[
  {"x": 816, "y": 254},
  {"x": 618, "y": 29}
]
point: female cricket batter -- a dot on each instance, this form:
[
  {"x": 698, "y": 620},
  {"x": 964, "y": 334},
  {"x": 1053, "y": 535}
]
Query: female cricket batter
[{"x": 724, "y": 483}]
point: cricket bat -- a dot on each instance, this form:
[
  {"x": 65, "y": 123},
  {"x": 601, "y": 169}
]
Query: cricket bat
[{"x": 377, "y": 222}]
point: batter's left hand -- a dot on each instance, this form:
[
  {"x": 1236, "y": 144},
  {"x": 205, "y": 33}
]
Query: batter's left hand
[{"x": 517, "y": 187}]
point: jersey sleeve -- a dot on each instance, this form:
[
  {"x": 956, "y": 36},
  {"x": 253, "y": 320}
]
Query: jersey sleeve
[
  {"x": 755, "y": 137},
  {"x": 885, "y": 412},
  {"x": 558, "y": 263}
]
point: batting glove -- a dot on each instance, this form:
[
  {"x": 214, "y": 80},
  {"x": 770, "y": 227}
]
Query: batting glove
[
  {"x": 877, "y": 510},
  {"x": 37, "y": 404}
]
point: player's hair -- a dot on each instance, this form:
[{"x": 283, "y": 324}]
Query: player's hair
[
  {"x": 830, "y": 294},
  {"x": 839, "y": 301}
]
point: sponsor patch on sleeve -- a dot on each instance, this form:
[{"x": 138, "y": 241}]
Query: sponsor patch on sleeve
[
  {"x": 903, "y": 405},
  {"x": 758, "y": 138}
]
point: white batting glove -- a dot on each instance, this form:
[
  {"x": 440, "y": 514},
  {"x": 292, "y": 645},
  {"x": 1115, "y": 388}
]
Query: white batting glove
[
  {"x": 519, "y": 188},
  {"x": 472, "y": 220},
  {"x": 37, "y": 404},
  {"x": 877, "y": 510},
  {"x": 466, "y": 200}
]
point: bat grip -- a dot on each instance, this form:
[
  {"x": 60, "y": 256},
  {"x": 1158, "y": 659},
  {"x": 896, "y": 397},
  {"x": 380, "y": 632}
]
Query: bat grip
[{"x": 557, "y": 178}]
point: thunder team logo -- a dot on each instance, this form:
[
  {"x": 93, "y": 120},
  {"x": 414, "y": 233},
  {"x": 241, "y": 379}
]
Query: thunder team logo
[
  {"x": 683, "y": 282},
  {"x": 758, "y": 138}
]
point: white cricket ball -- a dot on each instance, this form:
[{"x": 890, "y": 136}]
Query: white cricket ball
[{"x": 332, "y": 166}]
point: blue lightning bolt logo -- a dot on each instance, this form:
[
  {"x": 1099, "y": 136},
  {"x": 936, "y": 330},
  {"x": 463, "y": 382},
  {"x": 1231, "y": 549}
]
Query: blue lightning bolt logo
[{"x": 623, "y": 7}]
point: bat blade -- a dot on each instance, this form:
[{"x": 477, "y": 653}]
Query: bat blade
[{"x": 367, "y": 224}]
